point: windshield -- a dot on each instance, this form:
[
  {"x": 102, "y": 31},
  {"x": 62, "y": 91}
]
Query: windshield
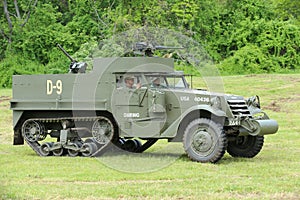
[
  {"x": 153, "y": 80},
  {"x": 165, "y": 81}
]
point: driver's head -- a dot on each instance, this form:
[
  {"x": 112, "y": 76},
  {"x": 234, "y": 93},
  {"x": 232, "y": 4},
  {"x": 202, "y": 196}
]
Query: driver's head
[
  {"x": 156, "y": 81},
  {"x": 129, "y": 81}
]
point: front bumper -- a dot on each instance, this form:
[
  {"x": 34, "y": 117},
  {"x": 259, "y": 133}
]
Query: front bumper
[{"x": 258, "y": 127}]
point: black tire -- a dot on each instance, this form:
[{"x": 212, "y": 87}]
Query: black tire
[
  {"x": 245, "y": 146},
  {"x": 132, "y": 145},
  {"x": 204, "y": 141}
]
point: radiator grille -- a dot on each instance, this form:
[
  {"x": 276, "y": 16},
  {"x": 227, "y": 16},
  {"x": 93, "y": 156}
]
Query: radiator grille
[{"x": 239, "y": 108}]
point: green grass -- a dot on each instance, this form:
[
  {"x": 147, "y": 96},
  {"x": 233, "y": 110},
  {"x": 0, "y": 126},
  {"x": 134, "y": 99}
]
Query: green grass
[{"x": 273, "y": 174}]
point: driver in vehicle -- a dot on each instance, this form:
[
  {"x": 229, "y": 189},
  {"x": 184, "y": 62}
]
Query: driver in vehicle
[
  {"x": 129, "y": 83},
  {"x": 156, "y": 83}
]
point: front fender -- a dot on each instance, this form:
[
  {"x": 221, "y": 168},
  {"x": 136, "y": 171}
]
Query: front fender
[
  {"x": 208, "y": 108},
  {"x": 172, "y": 130}
]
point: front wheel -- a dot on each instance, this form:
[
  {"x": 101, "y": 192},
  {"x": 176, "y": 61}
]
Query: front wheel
[
  {"x": 245, "y": 146},
  {"x": 204, "y": 140}
]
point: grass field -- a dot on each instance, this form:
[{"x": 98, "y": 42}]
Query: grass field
[{"x": 273, "y": 174}]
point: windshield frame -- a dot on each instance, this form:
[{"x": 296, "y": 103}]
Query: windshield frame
[
  {"x": 146, "y": 77},
  {"x": 166, "y": 79}
]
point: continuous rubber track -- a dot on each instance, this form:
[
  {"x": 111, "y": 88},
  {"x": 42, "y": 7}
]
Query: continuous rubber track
[
  {"x": 36, "y": 146},
  {"x": 146, "y": 145}
]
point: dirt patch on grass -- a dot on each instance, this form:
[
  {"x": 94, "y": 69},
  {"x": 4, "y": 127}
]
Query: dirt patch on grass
[
  {"x": 292, "y": 79},
  {"x": 252, "y": 75},
  {"x": 4, "y": 101},
  {"x": 4, "y": 98},
  {"x": 273, "y": 106},
  {"x": 292, "y": 99},
  {"x": 278, "y": 104}
]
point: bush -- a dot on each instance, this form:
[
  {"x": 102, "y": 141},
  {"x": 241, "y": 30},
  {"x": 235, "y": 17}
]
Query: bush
[
  {"x": 17, "y": 65},
  {"x": 247, "y": 60}
]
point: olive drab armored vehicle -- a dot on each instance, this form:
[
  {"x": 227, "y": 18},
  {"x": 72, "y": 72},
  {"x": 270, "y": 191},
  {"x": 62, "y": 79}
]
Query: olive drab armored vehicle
[{"x": 129, "y": 103}]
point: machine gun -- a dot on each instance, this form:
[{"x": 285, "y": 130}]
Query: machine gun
[
  {"x": 147, "y": 49},
  {"x": 75, "y": 67}
]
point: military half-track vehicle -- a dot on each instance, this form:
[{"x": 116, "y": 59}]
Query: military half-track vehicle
[{"x": 130, "y": 103}]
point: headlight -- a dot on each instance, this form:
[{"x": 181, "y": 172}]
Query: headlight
[
  {"x": 253, "y": 101},
  {"x": 216, "y": 103}
]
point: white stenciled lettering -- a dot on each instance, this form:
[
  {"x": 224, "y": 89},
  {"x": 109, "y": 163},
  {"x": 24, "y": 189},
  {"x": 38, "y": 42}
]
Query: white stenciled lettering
[
  {"x": 49, "y": 87},
  {"x": 201, "y": 99},
  {"x": 133, "y": 115},
  {"x": 234, "y": 122},
  {"x": 184, "y": 98},
  {"x": 57, "y": 87}
]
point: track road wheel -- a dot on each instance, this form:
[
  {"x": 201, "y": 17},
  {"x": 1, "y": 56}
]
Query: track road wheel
[
  {"x": 88, "y": 149},
  {"x": 58, "y": 152},
  {"x": 72, "y": 152},
  {"x": 58, "y": 149},
  {"x": 45, "y": 149},
  {"x": 245, "y": 146},
  {"x": 204, "y": 140}
]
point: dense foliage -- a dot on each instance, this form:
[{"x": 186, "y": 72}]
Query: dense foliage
[{"x": 241, "y": 36}]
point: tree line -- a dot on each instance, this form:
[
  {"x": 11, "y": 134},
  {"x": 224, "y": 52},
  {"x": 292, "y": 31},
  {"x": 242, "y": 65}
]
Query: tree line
[{"x": 241, "y": 36}]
